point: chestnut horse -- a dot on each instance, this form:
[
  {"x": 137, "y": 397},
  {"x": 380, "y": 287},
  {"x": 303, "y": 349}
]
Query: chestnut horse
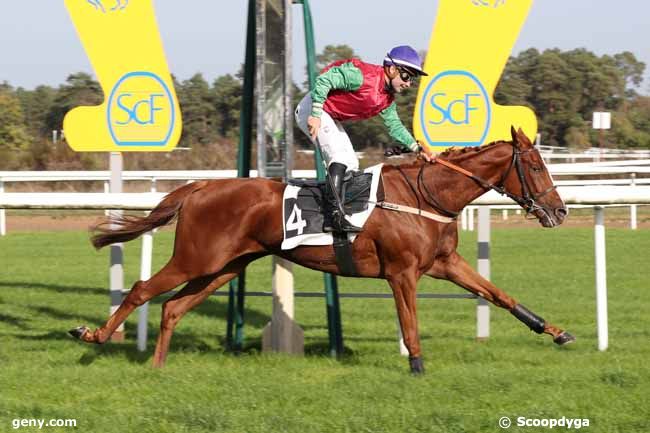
[{"x": 223, "y": 225}]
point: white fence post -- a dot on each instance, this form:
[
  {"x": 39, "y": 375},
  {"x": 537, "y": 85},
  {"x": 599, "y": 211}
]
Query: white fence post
[
  {"x": 107, "y": 189},
  {"x": 482, "y": 306},
  {"x": 463, "y": 219},
  {"x": 470, "y": 219},
  {"x": 145, "y": 274},
  {"x": 400, "y": 337},
  {"x": 146, "y": 258},
  {"x": 3, "y": 215},
  {"x": 116, "y": 273},
  {"x": 601, "y": 277},
  {"x": 633, "y": 207}
]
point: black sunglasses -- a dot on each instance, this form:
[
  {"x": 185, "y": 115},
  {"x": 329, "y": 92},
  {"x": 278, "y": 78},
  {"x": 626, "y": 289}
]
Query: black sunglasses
[{"x": 405, "y": 76}]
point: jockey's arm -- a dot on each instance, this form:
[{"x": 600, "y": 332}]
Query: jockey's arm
[
  {"x": 342, "y": 77},
  {"x": 399, "y": 133},
  {"x": 396, "y": 128}
]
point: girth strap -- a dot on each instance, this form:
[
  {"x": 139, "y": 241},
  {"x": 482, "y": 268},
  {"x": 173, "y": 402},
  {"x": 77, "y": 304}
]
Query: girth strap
[
  {"x": 343, "y": 254},
  {"x": 414, "y": 211}
]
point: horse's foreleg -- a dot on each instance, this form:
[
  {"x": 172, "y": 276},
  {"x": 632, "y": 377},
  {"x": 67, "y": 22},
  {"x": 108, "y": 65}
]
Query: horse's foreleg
[
  {"x": 142, "y": 291},
  {"x": 195, "y": 292},
  {"x": 404, "y": 292},
  {"x": 456, "y": 269}
]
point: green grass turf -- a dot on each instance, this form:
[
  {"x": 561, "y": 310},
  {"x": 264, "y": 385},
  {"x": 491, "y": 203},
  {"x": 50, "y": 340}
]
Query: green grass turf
[{"x": 51, "y": 282}]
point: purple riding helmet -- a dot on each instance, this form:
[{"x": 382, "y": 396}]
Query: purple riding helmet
[{"x": 405, "y": 57}]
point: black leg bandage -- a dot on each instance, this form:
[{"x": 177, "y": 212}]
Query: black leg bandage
[
  {"x": 532, "y": 320},
  {"x": 417, "y": 366}
]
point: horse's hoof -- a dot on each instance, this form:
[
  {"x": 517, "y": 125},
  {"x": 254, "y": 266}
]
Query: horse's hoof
[
  {"x": 564, "y": 338},
  {"x": 417, "y": 367},
  {"x": 78, "y": 332}
]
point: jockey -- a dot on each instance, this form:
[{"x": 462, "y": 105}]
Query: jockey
[{"x": 354, "y": 90}]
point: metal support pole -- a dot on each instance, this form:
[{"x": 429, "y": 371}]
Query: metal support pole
[
  {"x": 482, "y": 307},
  {"x": 260, "y": 81},
  {"x": 235, "y": 327},
  {"x": 3, "y": 215},
  {"x": 288, "y": 90},
  {"x": 234, "y": 340},
  {"x": 601, "y": 277},
  {"x": 334, "y": 326},
  {"x": 116, "y": 270}
]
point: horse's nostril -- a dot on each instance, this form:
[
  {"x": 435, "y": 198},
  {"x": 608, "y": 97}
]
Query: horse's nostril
[{"x": 561, "y": 212}]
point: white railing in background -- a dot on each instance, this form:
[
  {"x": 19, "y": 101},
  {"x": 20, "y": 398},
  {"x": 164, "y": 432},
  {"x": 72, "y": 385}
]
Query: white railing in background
[{"x": 467, "y": 217}]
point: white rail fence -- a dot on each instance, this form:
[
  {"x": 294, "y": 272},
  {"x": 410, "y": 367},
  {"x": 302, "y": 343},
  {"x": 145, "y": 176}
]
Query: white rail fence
[
  {"x": 630, "y": 168},
  {"x": 596, "y": 196}
]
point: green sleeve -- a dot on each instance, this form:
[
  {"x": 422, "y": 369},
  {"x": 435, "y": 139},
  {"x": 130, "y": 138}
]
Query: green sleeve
[
  {"x": 396, "y": 128},
  {"x": 342, "y": 77}
]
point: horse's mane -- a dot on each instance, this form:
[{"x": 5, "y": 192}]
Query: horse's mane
[
  {"x": 457, "y": 152},
  {"x": 460, "y": 151}
]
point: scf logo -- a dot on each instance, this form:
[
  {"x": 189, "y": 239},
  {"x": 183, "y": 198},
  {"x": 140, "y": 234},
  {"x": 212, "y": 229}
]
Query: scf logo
[
  {"x": 141, "y": 110},
  {"x": 455, "y": 110},
  {"x": 131, "y": 105}
]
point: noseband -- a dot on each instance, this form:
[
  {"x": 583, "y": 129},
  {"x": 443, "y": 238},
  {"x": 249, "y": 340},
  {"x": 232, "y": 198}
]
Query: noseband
[{"x": 528, "y": 200}]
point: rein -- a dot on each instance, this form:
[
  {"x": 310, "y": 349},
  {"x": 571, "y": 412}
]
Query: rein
[{"x": 527, "y": 201}]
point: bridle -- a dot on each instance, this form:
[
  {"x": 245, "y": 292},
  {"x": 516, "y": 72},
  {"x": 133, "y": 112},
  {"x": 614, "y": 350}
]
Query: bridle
[{"x": 528, "y": 200}]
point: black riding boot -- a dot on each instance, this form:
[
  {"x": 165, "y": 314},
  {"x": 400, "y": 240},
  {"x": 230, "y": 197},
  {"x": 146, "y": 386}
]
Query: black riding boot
[{"x": 335, "y": 216}]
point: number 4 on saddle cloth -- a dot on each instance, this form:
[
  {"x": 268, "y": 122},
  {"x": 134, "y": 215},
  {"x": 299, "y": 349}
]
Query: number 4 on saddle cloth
[{"x": 304, "y": 207}]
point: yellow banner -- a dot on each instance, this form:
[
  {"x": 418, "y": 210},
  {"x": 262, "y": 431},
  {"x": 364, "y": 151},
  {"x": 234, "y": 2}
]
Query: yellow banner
[
  {"x": 470, "y": 45},
  {"x": 140, "y": 110}
]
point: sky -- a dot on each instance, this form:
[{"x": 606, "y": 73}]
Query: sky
[{"x": 38, "y": 43}]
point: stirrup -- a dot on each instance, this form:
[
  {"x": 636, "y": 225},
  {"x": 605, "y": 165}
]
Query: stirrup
[{"x": 340, "y": 225}]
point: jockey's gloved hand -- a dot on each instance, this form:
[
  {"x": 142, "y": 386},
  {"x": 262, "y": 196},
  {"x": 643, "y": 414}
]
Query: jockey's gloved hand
[
  {"x": 396, "y": 151},
  {"x": 425, "y": 153}
]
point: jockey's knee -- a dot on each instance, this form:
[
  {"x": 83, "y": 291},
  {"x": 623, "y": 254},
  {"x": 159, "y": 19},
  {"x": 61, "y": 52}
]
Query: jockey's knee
[{"x": 351, "y": 163}]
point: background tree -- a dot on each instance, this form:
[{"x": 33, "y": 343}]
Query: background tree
[
  {"x": 198, "y": 110},
  {"x": 226, "y": 94},
  {"x": 565, "y": 88},
  {"x": 79, "y": 89},
  {"x": 332, "y": 53},
  {"x": 14, "y": 137}
]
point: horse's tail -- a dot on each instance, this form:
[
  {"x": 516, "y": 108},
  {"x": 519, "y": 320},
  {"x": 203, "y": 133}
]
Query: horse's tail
[{"x": 124, "y": 228}]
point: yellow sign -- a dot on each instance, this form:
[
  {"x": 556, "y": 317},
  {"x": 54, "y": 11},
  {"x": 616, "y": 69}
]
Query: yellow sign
[
  {"x": 140, "y": 110},
  {"x": 470, "y": 45}
]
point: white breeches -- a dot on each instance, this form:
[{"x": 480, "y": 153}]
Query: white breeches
[{"x": 334, "y": 143}]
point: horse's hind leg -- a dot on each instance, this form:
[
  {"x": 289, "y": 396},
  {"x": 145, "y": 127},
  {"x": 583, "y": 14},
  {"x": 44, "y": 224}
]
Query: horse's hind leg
[
  {"x": 169, "y": 277},
  {"x": 455, "y": 269},
  {"x": 195, "y": 292}
]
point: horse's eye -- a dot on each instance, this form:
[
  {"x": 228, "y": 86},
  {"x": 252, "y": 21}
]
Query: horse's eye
[{"x": 536, "y": 168}]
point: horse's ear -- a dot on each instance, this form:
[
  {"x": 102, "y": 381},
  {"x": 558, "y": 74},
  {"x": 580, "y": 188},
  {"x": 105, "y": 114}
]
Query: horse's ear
[
  {"x": 523, "y": 139},
  {"x": 515, "y": 138}
]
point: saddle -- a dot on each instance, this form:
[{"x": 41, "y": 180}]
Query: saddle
[
  {"x": 356, "y": 192},
  {"x": 305, "y": 203}
]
